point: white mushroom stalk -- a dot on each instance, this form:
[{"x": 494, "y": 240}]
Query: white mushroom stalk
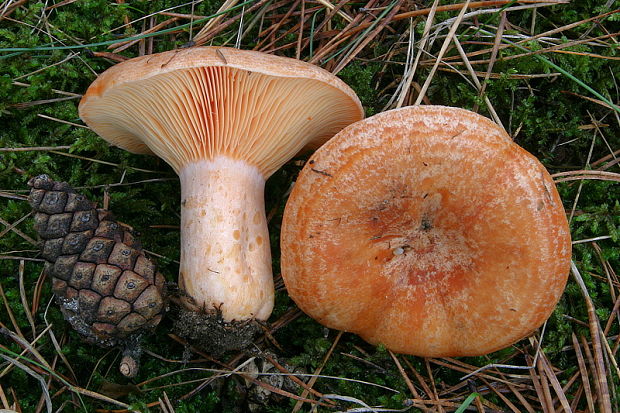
[
  {"x": 225, "y": 120},
  {"x": 225, "y": 254}
]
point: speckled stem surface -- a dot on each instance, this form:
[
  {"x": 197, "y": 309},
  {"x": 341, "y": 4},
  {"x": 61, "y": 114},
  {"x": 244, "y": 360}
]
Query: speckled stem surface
[{"x": 225, "y": 253}]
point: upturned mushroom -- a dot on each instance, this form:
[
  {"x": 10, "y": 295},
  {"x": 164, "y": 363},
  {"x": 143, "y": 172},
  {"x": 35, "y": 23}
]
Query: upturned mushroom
[
  {"x": 428, "y": 230},
  {"x": 224, "y": 120}
]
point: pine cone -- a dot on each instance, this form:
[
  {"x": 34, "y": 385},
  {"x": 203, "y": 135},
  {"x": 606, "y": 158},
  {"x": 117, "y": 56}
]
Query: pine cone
[{"x": 106, "y": 287}]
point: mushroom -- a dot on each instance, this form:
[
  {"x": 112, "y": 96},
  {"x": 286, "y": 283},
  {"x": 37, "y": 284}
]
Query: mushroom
[
  {"x": 224, "y": 120},
  {"x": 426, "y": 229}
]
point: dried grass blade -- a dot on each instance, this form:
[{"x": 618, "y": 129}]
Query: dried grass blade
[
  {"x": 25, "y": 105},
  {"x": 10, "y": 7},
  {"x": 340, "y": 13},
  {"x": 166, "y": 405},
  {"x": 521, "y": 398},
  {"x": 359, "y": 23},
  {"x": 536, "y": 381},
  {"x": 13, "y": 196},
  {"x": 597, "y": 101},
  {"x": 610, "y": 353},
  {"x": 36, "y": 148},
  {"x": 606, "y": 157},
  {"x": 211, "y": 23},
  {"x": 24, "y": 299},
  {"x": 613, "y": 315},
  {"x": 544, "y": 34},
  {"x": 59, "y": 4},
  {"x": 474, "y": 5},
  {"x": 555, "y": 383},
  {"x": 313, "y": 30},
  {"x": 9, "y": 312},
  {"x": 59, "y": 352},
  {"x": 271, "y": 36},
  {"x": 198, "y": 41},
  {"x": 273, "y": 389},
  {"x": 62, "y": 121},
  {"x": 98, "y": 396},
  {"x": 66, "y": 59},
  {"x": 391, "y": 11},
  {"x": 85, "y": 158},
  {"x": 583, "y": 372},
  {"x": 494, "y": 51},
  {"x": 476, "y": 81},
  {"x": 123, "y": 45},
  {"x": 14, "y": 224},
  {"x": 425, "y": 36},
  {"x": 32, "y": 373},
  {"x": 18, "y": 232},
  {"x": 112, "y": 56},
  {"x": 595, "y": 331},
  {"x": 419, "y": 377},
  {"x": 60, "y": 92},
  {"x": 28, "y": 346},
  {"x": 301, "y": 30},
  {"x": 442, "y": 51},
  {"x": 547, "y": 400},
  {"x": 565, "y": 72},
  {"x": 36, "y": 294},
  {"x": 499, "y": 394},
  {"x": 459, "y": 6},
  {"x": 24, "y": 351},
  {"x": 3, "y": 399},
  {"x": 585, "y": 174},
  {"x": 433, "y": 393}
]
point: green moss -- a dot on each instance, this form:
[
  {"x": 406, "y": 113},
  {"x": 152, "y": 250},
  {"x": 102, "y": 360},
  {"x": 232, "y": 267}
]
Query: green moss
[{"x": 543, "y": 114}]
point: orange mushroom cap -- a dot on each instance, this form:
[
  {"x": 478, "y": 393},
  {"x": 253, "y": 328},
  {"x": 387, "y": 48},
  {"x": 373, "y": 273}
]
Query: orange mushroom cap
[{"x": 428, "y": 230}]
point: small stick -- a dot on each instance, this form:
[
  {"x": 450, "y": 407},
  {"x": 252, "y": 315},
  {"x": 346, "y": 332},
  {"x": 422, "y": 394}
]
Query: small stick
[
  {"x": 433, "y": 393},
  {"x": 402, "y": 372},
  {"x": 62, "y": 121}
]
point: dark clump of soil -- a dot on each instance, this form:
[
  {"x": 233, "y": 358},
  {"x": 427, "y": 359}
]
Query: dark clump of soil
[{"x": 208, "y": 330}]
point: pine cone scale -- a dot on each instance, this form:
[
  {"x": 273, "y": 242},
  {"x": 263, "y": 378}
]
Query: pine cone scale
[
  {"x": 104, "y": 279},
  {"x": 97, "y": 250},
  {"x": 84, "y": 220},
  {"x": 53, "y": 203},
  {"x": 129, "y": 286}
]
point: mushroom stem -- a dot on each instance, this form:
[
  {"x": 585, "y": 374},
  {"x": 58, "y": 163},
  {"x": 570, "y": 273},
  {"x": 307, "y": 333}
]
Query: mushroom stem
[{"x": 225, "y": 253}]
